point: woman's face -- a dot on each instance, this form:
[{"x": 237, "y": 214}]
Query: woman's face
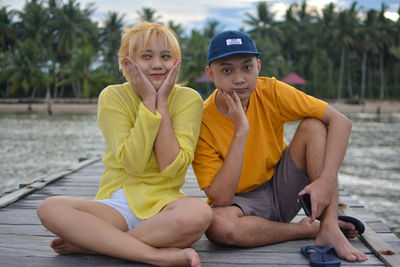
[{"x": 155, "y": 60}]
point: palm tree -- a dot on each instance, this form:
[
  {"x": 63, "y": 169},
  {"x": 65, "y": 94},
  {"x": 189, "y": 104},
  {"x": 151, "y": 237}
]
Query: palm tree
[
  {"x": 34, "y": 22},
  {"x": 7, "y": 31},
  {"x": 273, "y": 63},
  {"x": 369, "y": 35},
  {"x": 34, "y": 26},
  {"x": 212, "y": 28},
  {"x": 70, "y": 26},
  {"x": 305, "y": 13},
  {"x": 394, "y": 50},
  {"x": 264, "y": 23},
  {"x": 328, "y": 23},
  {"x": 110, "y": 38},
  {"x": 177, "y": 28},
  {"x": 267, "y": 36},
  {"x": 194, "y": 54},
  {"x": 308, "y": 51},
  {"x": 65, "y": 25},
  {"x": 78, "y": 72},
  {"x": 25, "y": 68},
  {"x": 288, "y": 28},
  {"x": 347, "y": 22},
  {"x": 7, "y": 40},
  {"x": 148, "y": 14},
  {"x": 385, "y": 40},
  {"x": 81, "y": 75}
]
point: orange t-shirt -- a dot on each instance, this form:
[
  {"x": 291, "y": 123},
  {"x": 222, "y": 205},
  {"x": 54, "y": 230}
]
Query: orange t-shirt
[{"x": 272, "y": 104}]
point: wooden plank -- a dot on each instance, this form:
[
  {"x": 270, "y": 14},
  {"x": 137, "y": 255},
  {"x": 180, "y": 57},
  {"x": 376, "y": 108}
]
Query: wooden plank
[
  {"x": 18, "y": 194},
  {"x": 379, "y": 227},
  {"x": 20, "y": 219},
  {"x": 14, "y": 245},
  {"x": 66, "y": 261},
  {"x": 376, "y": 243},
  {"x": 69, "y": 191},
  {"x": 23, "y": 229},
  {"x": 287, "y": 259},
  {"x": 350, "y": 201},
  {"x": 80, "y": 183},
  {"x": 365, "y": 214},
  {"x": 25, "y": 242},
  {"x": 34, "y": 203},
  {"x": 203, "y": 245}
]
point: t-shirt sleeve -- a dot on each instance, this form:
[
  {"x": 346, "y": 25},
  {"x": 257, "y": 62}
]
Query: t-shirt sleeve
[
  {"x": 207, "y": 162},
  {"x": 130, "y": 139},
  {"x": 294, "y": 105},
  {"x": 186, "y": 124}
]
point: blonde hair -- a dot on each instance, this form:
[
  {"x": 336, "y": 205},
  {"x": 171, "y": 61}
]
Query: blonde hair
[{"x": 138, "y": 36}]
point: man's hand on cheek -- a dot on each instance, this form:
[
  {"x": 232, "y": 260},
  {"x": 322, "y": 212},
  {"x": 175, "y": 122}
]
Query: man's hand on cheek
[{"x": 236, "y": 111}]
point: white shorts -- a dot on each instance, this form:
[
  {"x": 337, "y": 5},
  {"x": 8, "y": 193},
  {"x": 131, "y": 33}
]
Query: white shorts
[{"x": 119, "y": 202}]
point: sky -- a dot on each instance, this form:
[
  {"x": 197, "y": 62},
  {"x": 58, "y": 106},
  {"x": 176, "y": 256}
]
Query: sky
[{"x": 194, "y": 14}]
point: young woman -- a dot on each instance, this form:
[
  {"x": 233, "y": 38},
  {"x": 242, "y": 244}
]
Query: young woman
[{"x": 151, "y": 126}]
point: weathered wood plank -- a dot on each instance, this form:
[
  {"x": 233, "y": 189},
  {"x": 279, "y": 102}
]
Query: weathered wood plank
[
  {"x": 24, "y": 241},
  {"x": 70, "y": 191},
  {"x": 376, "y": 243},
  {"x": 349, "y": 200},
  {"x": 286, "y": 247},
  {"x": 248, "y": 258},
  {"x": 379, "y": 227},
  {"x": 18, "y": 194},
  {"x": 65, "y": 261},
  {"x": 23, "y": 230}
]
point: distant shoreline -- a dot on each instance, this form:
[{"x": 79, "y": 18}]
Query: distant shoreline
[
  {"x": 370, "y": 106},
  {"x": 90, "y": 105},
  {"x": 55, "y": 108}
]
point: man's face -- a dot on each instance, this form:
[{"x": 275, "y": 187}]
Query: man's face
[{"x": 236, "y": 73}]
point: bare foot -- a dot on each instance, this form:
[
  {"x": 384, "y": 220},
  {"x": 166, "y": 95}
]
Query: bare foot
[
  {"x": 311, "y": 228},
  {"x": 63, "y": 247},
  {"x": 332, "y": 235},
  {"x": 352, "y": 232},
  {"x": 193, "y": 257},
  {"x": 351, "y": 229},
  {"x": 187, "y": 257}
]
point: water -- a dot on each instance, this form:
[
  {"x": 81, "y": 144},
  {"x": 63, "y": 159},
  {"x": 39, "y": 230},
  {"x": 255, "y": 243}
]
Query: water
[
  {"x": 35, "y": 145},
  {"x": 371, "y": 168}
]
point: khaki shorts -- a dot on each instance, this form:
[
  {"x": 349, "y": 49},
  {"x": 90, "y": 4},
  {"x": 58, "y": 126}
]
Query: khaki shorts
[{"x": 276, "y": 200}]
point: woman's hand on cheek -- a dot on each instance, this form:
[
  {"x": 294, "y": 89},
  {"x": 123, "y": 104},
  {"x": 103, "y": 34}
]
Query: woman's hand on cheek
[
  {"x": 142, "y": 86},
  {"x": 168, "y": 83}
]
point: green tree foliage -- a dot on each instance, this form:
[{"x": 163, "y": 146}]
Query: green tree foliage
[
  {"x": 264, "y": 23},
  {"x": 25, "y": 69},
  {"x": 110, "y": 37},
  {"x": 7, "y": 40},
  {"x": 54, "y": 48},
  {"x": 194, "y": 59},
  {"x": 148, "y": 14}
]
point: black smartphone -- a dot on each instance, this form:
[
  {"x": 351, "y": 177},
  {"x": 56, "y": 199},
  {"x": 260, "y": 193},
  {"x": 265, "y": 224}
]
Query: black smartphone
[{"x": 306, "y": 203}]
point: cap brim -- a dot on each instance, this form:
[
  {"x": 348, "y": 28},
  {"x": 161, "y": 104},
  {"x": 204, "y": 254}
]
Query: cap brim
[{"x": 233, "y": 53}]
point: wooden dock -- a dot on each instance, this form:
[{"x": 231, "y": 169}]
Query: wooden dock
[{"x": 25, "y": 242}]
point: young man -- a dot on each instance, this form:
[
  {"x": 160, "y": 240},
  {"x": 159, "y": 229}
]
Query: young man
[{"x": 251, "y": 177}]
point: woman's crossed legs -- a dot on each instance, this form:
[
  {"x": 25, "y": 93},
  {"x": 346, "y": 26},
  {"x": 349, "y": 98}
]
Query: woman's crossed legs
[{"x": 86, "y": 226}]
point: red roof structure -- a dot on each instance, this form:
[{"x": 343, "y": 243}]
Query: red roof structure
[
  {"x": 293, "y": 78},
  {"x": 202, "y": 79}
]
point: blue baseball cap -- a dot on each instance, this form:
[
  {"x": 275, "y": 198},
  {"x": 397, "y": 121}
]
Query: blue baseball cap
[{"x": 229, "y": 43}]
